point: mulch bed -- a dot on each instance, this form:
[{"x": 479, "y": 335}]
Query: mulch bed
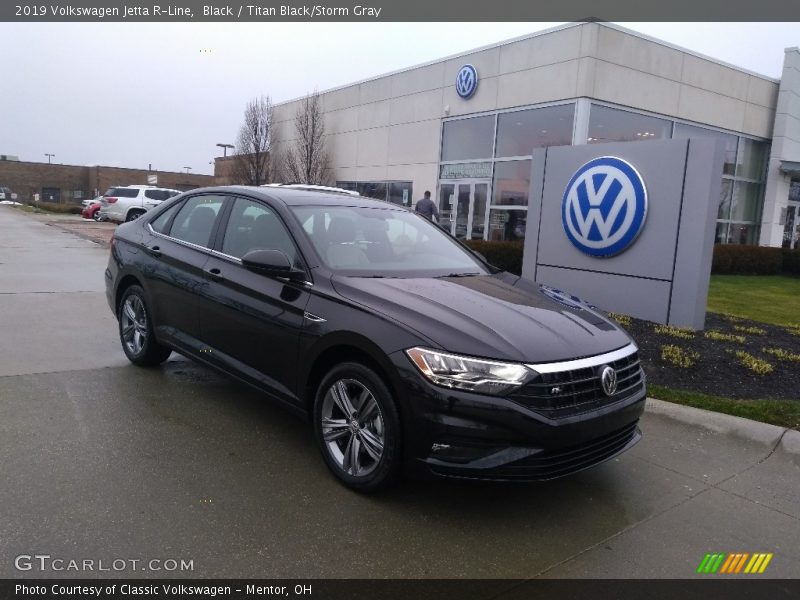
[{"x": 717, "y": 370}]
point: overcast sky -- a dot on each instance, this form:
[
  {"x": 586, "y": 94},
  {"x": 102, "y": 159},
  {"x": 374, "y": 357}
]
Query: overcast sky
[{"x": 136, "y": 94}]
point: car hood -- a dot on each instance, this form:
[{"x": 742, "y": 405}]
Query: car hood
[{"x": 493, "y": 316}]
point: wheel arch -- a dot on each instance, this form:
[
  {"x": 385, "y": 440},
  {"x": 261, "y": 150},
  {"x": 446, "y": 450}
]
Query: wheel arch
[{"x": 341, "y": 348}]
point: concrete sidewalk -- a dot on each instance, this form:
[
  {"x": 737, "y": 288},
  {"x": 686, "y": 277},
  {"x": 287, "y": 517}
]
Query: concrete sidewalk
[{"x": 105, "y": 460}]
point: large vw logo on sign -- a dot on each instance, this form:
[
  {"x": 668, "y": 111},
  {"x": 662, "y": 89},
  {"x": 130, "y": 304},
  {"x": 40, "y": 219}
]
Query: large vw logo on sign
[
  {"x": 604, "y": 206},
  {"x": 466, "y": 81}
]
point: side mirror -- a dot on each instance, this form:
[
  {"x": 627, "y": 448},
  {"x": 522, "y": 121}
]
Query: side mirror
[{"x": 271, "y": 262}]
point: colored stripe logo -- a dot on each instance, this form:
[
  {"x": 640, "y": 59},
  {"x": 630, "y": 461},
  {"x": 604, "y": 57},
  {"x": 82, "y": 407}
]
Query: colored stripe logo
[{"x": 735, "y": 563}]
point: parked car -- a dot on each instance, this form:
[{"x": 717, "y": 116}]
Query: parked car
[
  {"x": 93, "y": 212},
  {"x": 129, "y": 202},
  {"x": 87, "y": 203},
  {"x": 5, "y": 193},
  {"x": 402, "y": 346}
]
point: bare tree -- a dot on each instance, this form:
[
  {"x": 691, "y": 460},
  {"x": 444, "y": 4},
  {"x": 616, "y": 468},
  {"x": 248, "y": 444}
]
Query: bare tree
[
  {"x": 252, "y": 159},
  {"x": 306, "y": 159}
]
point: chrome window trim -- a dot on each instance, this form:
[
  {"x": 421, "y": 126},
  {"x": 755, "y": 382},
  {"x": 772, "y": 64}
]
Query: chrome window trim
[
  {"x": 212, "y": 252},
  {"x": 583, "y": 363}
]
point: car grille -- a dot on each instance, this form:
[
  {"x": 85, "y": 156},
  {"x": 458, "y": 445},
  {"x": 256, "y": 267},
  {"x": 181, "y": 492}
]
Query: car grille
[{"x": 571, "y": 392}]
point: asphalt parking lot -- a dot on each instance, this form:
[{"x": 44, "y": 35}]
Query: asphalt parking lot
[{"x": 102, "y": 460}]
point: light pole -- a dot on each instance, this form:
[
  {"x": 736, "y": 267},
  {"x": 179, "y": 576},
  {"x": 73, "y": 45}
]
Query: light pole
[
  {"x": 225, "y": 149},
  {"x": 187, "y": 169},
  {"x": 49, "y": 156}
]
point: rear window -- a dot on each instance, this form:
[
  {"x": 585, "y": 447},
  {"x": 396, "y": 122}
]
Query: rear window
[
  {"x": 158, "y": 194},
  {"x": 122, "y": 192}
]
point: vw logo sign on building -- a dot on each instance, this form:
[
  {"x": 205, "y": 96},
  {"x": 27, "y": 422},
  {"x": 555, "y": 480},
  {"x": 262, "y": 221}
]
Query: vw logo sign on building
[
  {"x": 604, "y": 206},
  {"x": 466, "y": 81}
]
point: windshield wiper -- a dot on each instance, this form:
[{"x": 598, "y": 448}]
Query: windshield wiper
[{"x": 460, "y": 275}]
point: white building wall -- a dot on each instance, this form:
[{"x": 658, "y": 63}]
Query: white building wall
[
  {"x": 785, "y": 146},
  {"x": 389, "y": 127}
]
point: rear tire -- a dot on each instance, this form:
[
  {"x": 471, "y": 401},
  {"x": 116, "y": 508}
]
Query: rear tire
[
  {"x": 136, "y": 330},
  {"x": 133, "y": 215},
  {"x": 357, "y": 427}
]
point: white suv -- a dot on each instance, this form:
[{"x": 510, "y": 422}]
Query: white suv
[{"x": 129, "y": 202}]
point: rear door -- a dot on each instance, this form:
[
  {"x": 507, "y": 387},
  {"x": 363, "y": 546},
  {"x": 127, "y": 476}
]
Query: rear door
[
  {"x": 175, "y": 252},
  {"x": 252, "y": 322}
]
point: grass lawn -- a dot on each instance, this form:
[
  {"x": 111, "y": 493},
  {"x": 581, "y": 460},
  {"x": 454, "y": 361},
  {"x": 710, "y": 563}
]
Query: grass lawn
[
  {"x": 784, "y": 413},
  {"x": 767, "y": 298}
]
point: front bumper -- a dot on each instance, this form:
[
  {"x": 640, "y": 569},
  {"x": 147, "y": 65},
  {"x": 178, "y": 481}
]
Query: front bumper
[{"x": 473, "y": 436}]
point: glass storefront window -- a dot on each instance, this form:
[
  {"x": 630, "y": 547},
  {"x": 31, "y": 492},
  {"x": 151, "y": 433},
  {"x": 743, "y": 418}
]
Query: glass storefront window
[
  {"x": 612, "y": 125},
  {"x": 372, "y": 189},
  {"x": 400, "y": 192},
  {"x": 520, "y": 131},
  {"x": 468, "y": 139},
  {"x": 725, "y": 199},
  {"x": 794, "y": 190},
  {"x": 506, "y": 225},
  {"x": 752, "y": 159},
  {"x": 742, "y": 233},
  {"x": 683, "y": 131},
  {"x": 745, "y": 203},
  {"x": 511, "y": 184},
  {"x": 722, "y": 233}
]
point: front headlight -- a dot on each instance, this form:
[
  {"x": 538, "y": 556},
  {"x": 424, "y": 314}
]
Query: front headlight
[{"x": 470, "y": 374}]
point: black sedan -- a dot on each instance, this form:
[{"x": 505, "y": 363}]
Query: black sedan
[{"x": 402, "y": 346}]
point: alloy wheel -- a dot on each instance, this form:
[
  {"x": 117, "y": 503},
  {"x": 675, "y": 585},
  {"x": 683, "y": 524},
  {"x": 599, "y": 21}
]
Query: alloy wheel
[
  {"x": 134, "y": 324},
  {"x": 353, "y": 428}
]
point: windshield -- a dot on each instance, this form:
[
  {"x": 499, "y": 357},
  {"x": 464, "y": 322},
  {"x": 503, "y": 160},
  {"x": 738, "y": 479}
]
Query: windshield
[{"x": 376, "y": 242}]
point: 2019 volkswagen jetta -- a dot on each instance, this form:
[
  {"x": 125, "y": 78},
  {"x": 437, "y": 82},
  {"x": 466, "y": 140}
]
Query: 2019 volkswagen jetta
[{"x": 401, "y": 345}]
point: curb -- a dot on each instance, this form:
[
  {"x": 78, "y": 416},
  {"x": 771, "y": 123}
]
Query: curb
[{"x": 765, "y": 434}]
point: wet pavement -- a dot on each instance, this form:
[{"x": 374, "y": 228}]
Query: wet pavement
[{"x": 102, "y": 460}]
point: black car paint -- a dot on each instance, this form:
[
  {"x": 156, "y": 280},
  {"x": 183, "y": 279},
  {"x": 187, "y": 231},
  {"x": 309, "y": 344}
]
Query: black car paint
[{"x": 253, "y": 327}]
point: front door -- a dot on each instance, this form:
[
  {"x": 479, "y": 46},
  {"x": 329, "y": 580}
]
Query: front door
[{"x": 462, "y": 207}]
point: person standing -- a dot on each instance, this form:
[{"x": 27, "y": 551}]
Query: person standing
[{"x": 427, "y": 208}]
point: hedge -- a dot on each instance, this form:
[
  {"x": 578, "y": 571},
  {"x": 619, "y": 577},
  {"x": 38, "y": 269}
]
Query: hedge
[
  {"x": 728, "y": 259},
  {"x": 503, "y": 255},
  {"x": 731, "y": 259}
]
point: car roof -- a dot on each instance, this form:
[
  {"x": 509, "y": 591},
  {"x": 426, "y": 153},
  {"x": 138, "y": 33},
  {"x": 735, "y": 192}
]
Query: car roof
[{"x": 303, "y": 197}]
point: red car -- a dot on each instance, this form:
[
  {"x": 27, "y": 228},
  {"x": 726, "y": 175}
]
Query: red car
[{"x": 92, "y": 211}]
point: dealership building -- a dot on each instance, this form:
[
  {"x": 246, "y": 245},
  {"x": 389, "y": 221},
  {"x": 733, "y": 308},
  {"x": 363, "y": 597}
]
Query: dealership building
[{"x": 464, "y": 127}]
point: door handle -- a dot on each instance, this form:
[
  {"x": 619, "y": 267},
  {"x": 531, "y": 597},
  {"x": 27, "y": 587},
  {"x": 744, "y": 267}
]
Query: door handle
[
  {"x": 153, "y": 251},
  {"x": 214, "y": 274}
]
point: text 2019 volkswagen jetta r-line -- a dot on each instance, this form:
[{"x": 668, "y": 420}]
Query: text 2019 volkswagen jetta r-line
[{"x": 402, "y": 346}]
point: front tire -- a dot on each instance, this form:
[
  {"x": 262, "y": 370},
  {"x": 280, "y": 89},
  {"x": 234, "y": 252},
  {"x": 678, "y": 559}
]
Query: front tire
[
  {"x": 357, "y": 427},
  {"x": 136, "y": 330}
]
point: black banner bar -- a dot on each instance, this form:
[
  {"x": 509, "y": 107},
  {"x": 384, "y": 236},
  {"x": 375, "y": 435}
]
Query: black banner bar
[
  {"x": 732, "y": 588},
  {"x": 371, "y": 11}
]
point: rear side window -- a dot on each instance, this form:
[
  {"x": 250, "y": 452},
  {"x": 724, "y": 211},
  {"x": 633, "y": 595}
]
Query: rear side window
[
  {"x": 122, "y": 192},
  {"x": 162, "y": 221},
  {"x": 195, "y": 219}
]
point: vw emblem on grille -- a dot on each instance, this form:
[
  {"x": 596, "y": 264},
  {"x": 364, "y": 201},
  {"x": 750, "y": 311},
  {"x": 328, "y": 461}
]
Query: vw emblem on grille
[
  {"x": 604, "y": 206},
  {"x": 466, "y": 81},
  {"x": 608, "y": 379}
]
